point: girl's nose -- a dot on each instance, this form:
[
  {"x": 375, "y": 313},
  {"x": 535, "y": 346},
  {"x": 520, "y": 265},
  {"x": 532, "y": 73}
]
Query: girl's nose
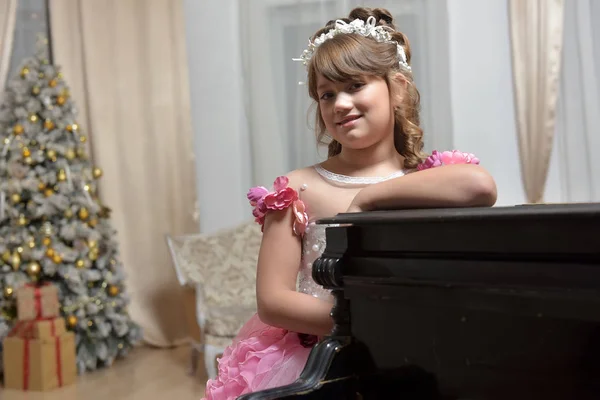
[{"x": 343, "y": 102}]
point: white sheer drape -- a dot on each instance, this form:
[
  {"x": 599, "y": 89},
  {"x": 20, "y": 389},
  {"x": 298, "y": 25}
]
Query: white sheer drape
[
  {"x": 8, "y": 17},
  {"x": 246, "y": 102},
  {"x": 578, "y": 115}
]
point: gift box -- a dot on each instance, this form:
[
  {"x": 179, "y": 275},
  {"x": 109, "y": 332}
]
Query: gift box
[
  {"x": 37, "y": 302},
  {"x": 41, "y": 329},
  {"x": 39, "y": 364}
]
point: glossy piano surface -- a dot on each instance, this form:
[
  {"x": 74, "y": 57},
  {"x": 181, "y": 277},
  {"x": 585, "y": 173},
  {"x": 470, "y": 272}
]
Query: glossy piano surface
[{"x": 479, "y": 303}]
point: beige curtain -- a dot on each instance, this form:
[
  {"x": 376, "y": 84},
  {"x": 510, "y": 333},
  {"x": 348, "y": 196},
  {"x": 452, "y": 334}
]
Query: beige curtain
[
  {"x": 536, "y": 28},
  {"x": 125, "y": 61},
  {"x": 8, "y": 16}
]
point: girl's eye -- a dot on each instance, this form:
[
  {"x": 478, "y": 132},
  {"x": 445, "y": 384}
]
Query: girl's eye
[
  {"x": 356, "y": 85},
  {"x": 326, "y": 96}
]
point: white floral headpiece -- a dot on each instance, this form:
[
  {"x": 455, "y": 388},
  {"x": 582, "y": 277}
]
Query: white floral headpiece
[{"x": 369, "y": 29}]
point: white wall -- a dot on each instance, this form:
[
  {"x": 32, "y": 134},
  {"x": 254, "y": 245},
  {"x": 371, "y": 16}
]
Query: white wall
[
  {"x": 482, "y": 95},
  {"x": 481, "y": 90}
]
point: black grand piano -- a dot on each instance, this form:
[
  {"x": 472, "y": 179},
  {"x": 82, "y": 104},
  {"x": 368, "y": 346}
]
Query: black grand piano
[{"x": 478, "y": 303}]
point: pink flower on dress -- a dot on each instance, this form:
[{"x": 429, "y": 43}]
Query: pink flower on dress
[
  {"x": 300, "y": 217},
  {"x": 437, "y": 159},
  {"x": 279, "y": 199}
]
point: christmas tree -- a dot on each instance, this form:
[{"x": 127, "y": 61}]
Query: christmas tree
[{"x": 53, "y": 226}]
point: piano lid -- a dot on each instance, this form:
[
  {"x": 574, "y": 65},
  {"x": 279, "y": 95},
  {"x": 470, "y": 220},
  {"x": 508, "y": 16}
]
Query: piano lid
[{"x": 528, "y": 212}]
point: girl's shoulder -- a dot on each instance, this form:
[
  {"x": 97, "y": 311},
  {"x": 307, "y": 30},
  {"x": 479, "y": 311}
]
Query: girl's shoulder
[{"x": 284, "y": 194}]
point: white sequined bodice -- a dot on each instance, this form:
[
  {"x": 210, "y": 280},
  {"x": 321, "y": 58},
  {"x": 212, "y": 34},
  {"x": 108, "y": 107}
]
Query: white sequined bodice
[
  {"x": 313, "y": 242},
  {"x": 313, "y": 245}
]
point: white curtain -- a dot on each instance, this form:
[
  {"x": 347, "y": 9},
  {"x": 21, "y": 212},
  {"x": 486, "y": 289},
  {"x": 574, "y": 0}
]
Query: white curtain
[
  {"x": 578, "y": 114},
  {"x": 247, "y": 103},
  {"x": 8, "y": 16},
  {"x": 536, "y": 32}
]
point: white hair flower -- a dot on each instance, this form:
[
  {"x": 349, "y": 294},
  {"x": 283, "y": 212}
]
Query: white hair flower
[{"x": 380, "y": 33}]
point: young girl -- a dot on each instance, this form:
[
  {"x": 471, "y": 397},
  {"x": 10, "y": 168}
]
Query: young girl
[{"x": 360, "y": 77}]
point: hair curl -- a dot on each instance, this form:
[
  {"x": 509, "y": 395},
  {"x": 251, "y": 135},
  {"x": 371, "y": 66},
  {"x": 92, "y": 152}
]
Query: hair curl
[{"x": 345, "y": 57}]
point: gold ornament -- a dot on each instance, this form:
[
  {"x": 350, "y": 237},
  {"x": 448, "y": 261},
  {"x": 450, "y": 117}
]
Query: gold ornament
[
  {"x": 68, "y": 213},
  {"x": 61, "y": 176},
  {"x": 71, "y": 321},
  {"x": 92, "y": 223},
  {"x": 41, "y": 186},
  {"x": 48, "y": 192},
  {"x": 52, "y": 83},
  {"x": 18, "y": 129},
  {"x": 15, "y": 260},
  {"x": 93, "y": 254},
  {"x": 35, "y": 90},
  {"x": 33, "y": 118},
  {"x": 83, "y": 214},
  {"x": 46, "y": 241},
  {"x": 8, "y": 292},
  {"x": 50, "y": 253},
  {"x": 20, "y": 249},
  {"x": 48, "y": 124},
  {"x": 47, "y": 229},
  {"x": 28, "y": 160},
  {"x": 31, "y": 244},
  {"x": 22, "y": 220},
  {"x": 26, "y": 152},
  {"x": 51, "y": 155},
  {"x": 90, "y": 323},
  {"x": 72, "y": 127},
  {"x": 57, "y": 258},
  {"x": 24, "y": 72},
  {"x": 113, "y": 290},
  {"x": 80, "y": 264},
  {"x": 70, "y": 154},
  {"x": 33, "y": 269},
  {"x": 82, "y": 139},
  {"x": 6, "y": 256},
  {"x": 92, "y": 244},
  {"x": 97, "y": 173},
  {"x": 81, "y": 153},
  {"x": 15, "y": 198},
  {"x": 86, "y": 187},
  {"x": 60, "y": 100}
]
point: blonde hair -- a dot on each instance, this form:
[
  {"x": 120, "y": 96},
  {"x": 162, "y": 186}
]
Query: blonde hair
[{"x": 345, "y": 57}]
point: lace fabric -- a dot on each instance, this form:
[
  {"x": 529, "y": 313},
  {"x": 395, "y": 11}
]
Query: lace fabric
[
  {"x": 313, "y": 245},
  {"x": 355, "y": 180}
]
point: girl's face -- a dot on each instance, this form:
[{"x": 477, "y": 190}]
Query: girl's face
[{"x": 357, "y": 113}]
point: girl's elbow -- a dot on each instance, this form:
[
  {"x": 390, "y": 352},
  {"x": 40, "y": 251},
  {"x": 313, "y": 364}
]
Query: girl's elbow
[
  {"x": 268, "y": 310},
  {"x": 485, "y": 192},
  {"x": 265, "y": 312}
]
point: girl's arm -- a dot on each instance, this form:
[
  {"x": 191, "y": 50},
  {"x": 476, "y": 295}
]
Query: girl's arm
[
  {"x": 279, "y": 304},
  {"x": 461, "y": 185}
]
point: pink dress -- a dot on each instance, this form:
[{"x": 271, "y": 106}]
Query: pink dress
[{"x": 261, "y": 356}]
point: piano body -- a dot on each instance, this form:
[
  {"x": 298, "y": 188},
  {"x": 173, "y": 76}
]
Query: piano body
[{"x": 477, "y": 303}]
